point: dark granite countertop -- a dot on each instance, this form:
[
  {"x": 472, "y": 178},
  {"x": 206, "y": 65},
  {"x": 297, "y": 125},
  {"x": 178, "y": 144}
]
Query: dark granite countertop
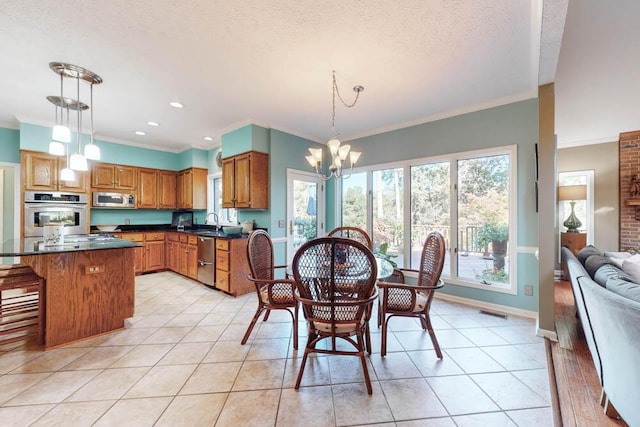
[
  {"x": 75, "y": 243},
  {"x": 200, "y": 230}
]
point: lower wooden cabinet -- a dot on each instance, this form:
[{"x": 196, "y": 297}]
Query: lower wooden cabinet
[
  {"x": 232, "y": 267},
  {"x": 188, "y": 256},
  {"x": 154, "y": 251},
  {"x": 138, "y": 253}
]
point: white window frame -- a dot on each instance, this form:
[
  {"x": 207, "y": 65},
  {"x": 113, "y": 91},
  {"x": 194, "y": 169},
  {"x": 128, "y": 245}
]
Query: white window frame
[{"x": 210, "y": 204}]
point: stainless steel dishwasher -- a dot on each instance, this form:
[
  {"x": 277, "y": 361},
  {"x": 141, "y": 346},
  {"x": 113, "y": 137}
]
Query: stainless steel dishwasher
[{"x": 207, "y": 260}]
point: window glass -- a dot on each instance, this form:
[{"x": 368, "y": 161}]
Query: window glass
[
  {"x": 225, "y": 216},
  {"x": 388, "y": 212},
  {"x": 354, "y": 201}
]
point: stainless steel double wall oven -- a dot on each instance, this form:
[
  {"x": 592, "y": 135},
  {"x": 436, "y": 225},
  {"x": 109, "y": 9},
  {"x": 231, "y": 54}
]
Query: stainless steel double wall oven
[{"x": 41, "y": 208}]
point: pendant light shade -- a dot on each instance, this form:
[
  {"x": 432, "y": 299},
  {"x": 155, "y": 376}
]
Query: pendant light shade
[
  {"x": 67, "y": 174},
  {"x": 78, "y": 162},
  {"x": 92, "y": 151},
  {"x": 56, "y": 148},
  {"x": 61, "y": 133}
]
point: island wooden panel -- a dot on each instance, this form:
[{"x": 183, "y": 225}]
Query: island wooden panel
[{"x": 86, "y": 293}]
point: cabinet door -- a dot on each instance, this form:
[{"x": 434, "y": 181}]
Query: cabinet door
[
  {"x": 172, "y": 256},
  {"x": 199, "y": 188},
  {"x": 187, "y": 189},
  {"x": 228, "y": 183},
  {"x": 183, "y": 259},
  {"x": 103, "y": 176},
  {"x": 192, "y": 262},
  {"x": 41, "y": 171},
  {"x": 125, "y": 177},
  {"x": 154, "y": 256},
  {"x": 147, "y": 188},
  {"x": 138, "y": 260},
  {"x": 242, "y": 181},
  {"x": 78, "y": 185},
  {"x": 179, "y": 189},
  {"x": 167, "y": 181}
]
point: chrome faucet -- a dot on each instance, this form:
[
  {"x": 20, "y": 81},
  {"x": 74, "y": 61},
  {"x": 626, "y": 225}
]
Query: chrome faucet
[{"x": 215, "y": 216}]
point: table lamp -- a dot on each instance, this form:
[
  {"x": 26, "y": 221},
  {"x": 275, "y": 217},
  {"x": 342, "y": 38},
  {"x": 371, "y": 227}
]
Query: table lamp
[{"x": 572, "y": 193}]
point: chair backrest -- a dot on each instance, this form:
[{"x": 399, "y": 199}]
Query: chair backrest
[
  {"x": 260, "y": 255},
  {"x": 353, "y": 233},
  {"x": 432, "y": 260},
  {"x": 319, "y": 278}
]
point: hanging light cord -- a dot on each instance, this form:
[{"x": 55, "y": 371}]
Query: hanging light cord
[{"x": 336, "y": 91}]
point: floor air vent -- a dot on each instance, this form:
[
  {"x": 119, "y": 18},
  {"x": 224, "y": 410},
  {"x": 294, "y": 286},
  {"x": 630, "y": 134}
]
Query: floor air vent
[{"x": 490, "y": 313}]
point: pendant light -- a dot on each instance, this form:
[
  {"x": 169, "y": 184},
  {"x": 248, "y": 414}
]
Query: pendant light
[
  {"x": 67, "y": 174},
  {"x": 60, "y": 132},
  {"x": 91, "y": 150},
  {"x": 78, "y": 162}
]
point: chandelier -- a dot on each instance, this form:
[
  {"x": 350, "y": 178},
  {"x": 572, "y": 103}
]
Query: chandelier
[
  {"x": 61, "y": 133},
  {"x": 338, "y": 152}
]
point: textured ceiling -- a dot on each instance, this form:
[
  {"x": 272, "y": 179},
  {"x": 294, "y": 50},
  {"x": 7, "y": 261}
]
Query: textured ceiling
[{"x": 234, "y": 62}]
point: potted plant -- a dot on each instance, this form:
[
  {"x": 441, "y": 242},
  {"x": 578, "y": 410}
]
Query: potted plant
[{"x": 496, "y": 234}]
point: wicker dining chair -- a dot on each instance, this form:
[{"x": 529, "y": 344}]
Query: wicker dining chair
[
  {"x": 353, "y": 233},
  {"x": 400, "y": 299},
  {"x": 336, "y": 297},
  {"x": 273, "y": 294}
]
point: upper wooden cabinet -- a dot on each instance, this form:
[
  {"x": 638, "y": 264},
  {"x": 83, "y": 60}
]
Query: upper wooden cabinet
[
  {"x": 147, "y": 189},
  {"x": 245, "y": 181},
  {"x": 41, "y": 171},
  {"x": 192, "y": 189},
  {"x": 114, "y": 177},
  {"x": 167, "y": 189}
]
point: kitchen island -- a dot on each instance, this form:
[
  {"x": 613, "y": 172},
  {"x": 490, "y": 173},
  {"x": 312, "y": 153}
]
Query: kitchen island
[{"x": 89, "y": 284}]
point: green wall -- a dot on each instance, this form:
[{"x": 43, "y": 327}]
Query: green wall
[
  {"x": 9, "y": 145},
  {"x": 510, "y": 124}
]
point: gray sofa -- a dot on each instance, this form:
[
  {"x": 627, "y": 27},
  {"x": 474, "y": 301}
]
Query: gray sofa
[{"x": 608, "y": 306}]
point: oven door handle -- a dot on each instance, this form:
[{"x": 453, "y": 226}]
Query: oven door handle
[{"x": 54, "y": 206}]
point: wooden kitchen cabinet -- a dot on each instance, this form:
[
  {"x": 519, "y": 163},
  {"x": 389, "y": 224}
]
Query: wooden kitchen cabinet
[
  {"x": 188, "y": 256},
  {"x": 245, "y": 181},
  {"x": 232, "y": 268},
  {"x": 41, "y": 171},
  {"x": 138, "y": 252},
  {"x": 192, "y": 189},
  {"x": 166, "y": 192},
  {"x": 154, "y": 251},
  {"x": 113, "y": 177},
  {"x": 172, "y": 251},
  {"x": 147, "y": 189}
]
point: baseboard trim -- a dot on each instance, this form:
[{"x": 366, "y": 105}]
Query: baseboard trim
[{"x": 487, "y": 305}]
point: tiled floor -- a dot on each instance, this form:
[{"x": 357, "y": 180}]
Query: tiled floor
[{"x": 179, "y": 362}]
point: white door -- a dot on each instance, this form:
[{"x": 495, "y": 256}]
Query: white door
[{"x": 305, "y": 209}]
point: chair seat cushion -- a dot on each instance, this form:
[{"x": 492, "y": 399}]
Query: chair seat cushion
[
  {"x": 341, "y": 328},
  {"x": 400, "y": 301},
  {"x": 281, "y": 293}
]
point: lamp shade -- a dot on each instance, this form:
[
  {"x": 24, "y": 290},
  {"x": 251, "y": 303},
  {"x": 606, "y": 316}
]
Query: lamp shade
[{"x": 572, "y": 192}]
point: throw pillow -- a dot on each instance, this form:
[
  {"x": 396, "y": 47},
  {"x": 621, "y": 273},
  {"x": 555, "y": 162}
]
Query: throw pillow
[
  {"x": 594, "y": 262},
  {"x": 617, "y": 255},
  {"x": 586, "y": 252},
  {"x": 632, "y": 269}
]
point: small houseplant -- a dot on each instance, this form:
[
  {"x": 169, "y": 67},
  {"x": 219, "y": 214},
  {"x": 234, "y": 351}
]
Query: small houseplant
[{"x": 496, "y": 234}]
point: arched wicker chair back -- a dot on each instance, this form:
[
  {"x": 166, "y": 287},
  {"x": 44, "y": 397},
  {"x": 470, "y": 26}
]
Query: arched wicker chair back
[
  {"x": 353, "y": 233},
  {"x": 432, "y": 259},
  {"x": 260, "y": 255},
  {"x": 335, "y": 281}
]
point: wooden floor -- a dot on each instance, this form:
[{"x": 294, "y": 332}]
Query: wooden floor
[{"x": 576, "y": 377}]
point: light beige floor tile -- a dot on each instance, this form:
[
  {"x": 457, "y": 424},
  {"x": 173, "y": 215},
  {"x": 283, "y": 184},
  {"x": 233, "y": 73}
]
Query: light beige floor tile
[
  {"x": 414, "y": 340},
  {"x": 537, "y": 380},
  {"x": 482, "y": 336},
  {"x": 250, "y": 408},
  {"x": 204, "y": 333},
  {"x": 143, "y": 355},
  {"x": 212, "y": 378},
  {"x": 272, "y": 329},
  {"x": 168, "y": 335},
  {"x": 371, "y": 408},
  {"x": 20, "y": 416},
  {"x": 508, "y": 392},
  {"x": 512, "y": 358},
  {"x": 494, "y": 419},
  {"x": 474, "y": 360},
  {"x": 307, "y": 407},
  {"x": 460, "y": 395},
  {"x": 98, "y": 358},
  {"x": 430, "y": 366},
  {"x": 227, "y": 351},
  {"x": 215, "y": 319},
  {"x": 412, "y": 398},
  {"x": 74, "y": 414},
  {"x": 428, "y": 422},
  {"x": 52, "y": 361},
  {"x": 186, "y": 353},
  {"x": 398, "y": 324},
  {"x": 134, "y": 412},
  {"x": 161, "y": 381},
  {"x": 235, "y": 332},
  {"x": 517, "y": 334},
  {"x": 16, "y": 358},
  {"x": 393, "y": 345},
  {"x": 14, "y": 384},
  {"x": 263, "y": 349},
  {"x": 196, "y": 410},
  {"x": 152, "y": 321},
  {"x": 460, "y": 321},
  {"x": 394, "y": 366},
  {"x": 451, "y": 338},
  {"x": 198, "y": 307},
  {"x": 131, "y": 336},
  {"x": 54, "y": 389},
  {"x": 260, "y": 374},
  {"x": 348, "y": 369},
  {"x": 109, "y": 384},
  {"x": 185, "y": 319},
  {"x": 532, "y": 417},
  {"x": 316, "y": 372}
]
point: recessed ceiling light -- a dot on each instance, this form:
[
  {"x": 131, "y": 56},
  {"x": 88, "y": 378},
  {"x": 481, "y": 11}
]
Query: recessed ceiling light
[
  {"x": 208, "y": 138},
  {"x": 139, "y": 132},
  {"x": 153, "y": 123},
  {"x": 176, "y": 104}
]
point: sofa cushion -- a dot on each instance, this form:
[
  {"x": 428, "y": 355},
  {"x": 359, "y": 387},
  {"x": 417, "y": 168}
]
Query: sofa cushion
[
  {"x": 632, "y": 269},
  {"x": 618, "y": 255},
  {"x": 594, "y": 262},
  {"x": 624, "y": 288},
  {"x": 609, "y": 271},
  {"x": 586, "y": 252}
]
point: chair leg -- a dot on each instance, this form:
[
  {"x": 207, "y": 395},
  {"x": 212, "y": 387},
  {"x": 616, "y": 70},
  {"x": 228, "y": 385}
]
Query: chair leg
[
  {"x": 302, "y": 365},
  {"x": 427, "y": 321},
  {"x": 266, "y": 315},
  {"x": 383, "y": 347},
  {"x": 252, "y": 324},
  {"x": 295, "y": 327},
  {"x": 363, "y": 361}
]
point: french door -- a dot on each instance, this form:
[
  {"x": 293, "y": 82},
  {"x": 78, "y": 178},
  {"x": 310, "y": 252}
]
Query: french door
[{"x": 305, "y": 209}]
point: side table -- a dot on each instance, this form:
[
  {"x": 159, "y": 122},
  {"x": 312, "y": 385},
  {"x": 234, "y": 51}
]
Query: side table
[{"x": 574, "y": 242}]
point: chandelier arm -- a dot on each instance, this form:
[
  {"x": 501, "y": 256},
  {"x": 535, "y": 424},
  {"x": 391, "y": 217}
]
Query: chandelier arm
[{"x": 336, "y": 90}]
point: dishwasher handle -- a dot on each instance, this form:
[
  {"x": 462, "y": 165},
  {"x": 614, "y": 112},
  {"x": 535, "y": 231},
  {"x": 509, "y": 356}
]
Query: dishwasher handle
[{"x": 201, "y": 262}]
